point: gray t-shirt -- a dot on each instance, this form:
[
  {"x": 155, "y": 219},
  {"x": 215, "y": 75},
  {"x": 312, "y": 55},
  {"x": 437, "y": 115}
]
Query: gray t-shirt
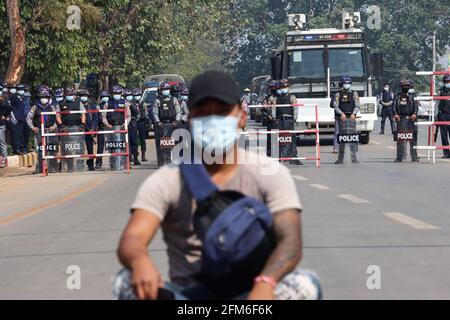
[{"x": 166, "y": 195}]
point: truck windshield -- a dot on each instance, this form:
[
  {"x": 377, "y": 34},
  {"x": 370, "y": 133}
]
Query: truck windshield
[
  {"x": 346, "y": 61},
  {"x": 306, "y": 64}
]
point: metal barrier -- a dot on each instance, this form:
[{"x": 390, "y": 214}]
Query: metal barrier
[
  {"x": 89, "y": 156},
  {"x": 317, "y": 158},
  {"x": 432, "y": 123}
]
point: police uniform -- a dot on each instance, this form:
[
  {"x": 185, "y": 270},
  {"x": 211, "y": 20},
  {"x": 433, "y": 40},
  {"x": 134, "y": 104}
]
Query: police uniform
[
  {"x": 133, "y": 132},
  {"x": 72, "y": 145},
  {"x": 184, "y": 114},
  {"x": 115, "y": 142},
  {"x": 142, "y": 125},
  {"x": 387, "y": 110},
  {"x": 34, "y": 121},
  {"x": 5, "y": 113},
  {"x": 100, "y": 137},
  {"x": 285, "y": 120},
  {"x": 347, "y": 102},
  {"x": 405, "y": 108},
  {"x": 166, "y": 110},
  {"x": 91, "y": 125},
  {"x": 21, "y": 107},
  {"x": 444, "y": 115}
]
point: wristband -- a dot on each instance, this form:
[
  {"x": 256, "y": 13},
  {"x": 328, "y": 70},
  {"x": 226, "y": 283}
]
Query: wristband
[{"x": 266, "y": 279}]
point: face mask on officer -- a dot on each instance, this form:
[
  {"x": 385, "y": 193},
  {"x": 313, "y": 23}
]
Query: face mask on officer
[
  {"x": 137, "y": 98},
  {"x": 166, "y": 93},
  {"x": 215, "y": 132},
  {"x": 129, "y": 98},
  {"x": 5, "y": 90},
  {"x": 44, "y": 101},
  {"x": 411, "y": 91},
  {"x": 347, "y": 86},
  {"x": 105, "y": 99},
  {"x": 59, "y": 99},
  {"x": 278, "y": 91},
  {"x": 13, "y": 91},
  {"x": 184, "y": 98},
  {"x": 284, "y": 91},
  {"x": 447, "y": 85},
  {"x": 70, "y": 98},
  {"x": 386, "y": 89},
  {"x": 21, "y": 92},
  {"x": 84, "y": 99},
  {"x": 117, "y": 97}
]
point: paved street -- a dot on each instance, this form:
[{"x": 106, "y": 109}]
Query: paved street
[{"x": 381, "y": 213}]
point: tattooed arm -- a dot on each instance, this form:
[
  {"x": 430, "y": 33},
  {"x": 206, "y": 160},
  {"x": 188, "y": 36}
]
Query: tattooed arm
[{"x": 286, "y": 255}]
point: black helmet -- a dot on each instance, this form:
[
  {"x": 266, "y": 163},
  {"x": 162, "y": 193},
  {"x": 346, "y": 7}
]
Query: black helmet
[
  {"x": 446, "y": 78},
  {"x": 117, "y": 89},
  {"x": 137, "y": 92}
]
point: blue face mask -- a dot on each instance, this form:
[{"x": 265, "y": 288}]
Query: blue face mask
[
  {"x": 129, "y": 98},
  {"x": 184, "y": 98},
  {"x": 59, "y": 99},
  {"x": 20, "y": 92},
  {"x": 84, "y": 99},
  {"x": 447, "y": 85},
  {"x": 137, "y": 98},
  {"x": 284, "y": 91},
  {"x": 13, "y": 91},
  {"x": 105, "y": 99},
  {"x": 70, "y": 98},
  {"x": 279, "y": 91},
  {"x": 411, "y": 91},
  {"x": 5, "y": 90},
  {"x": 117, "y": 97},
  {"x": 166, "y": 93},
  {"x": 347, "y": 86},
  {"x": 218, "y": 133}
]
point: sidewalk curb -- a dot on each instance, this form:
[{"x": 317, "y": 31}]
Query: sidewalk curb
[{"x": 25, "y": 161}]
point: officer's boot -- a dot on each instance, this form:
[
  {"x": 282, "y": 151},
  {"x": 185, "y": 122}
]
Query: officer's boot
[
  {"x": 143, "y": 150},
  {"x": 340, "y": 159},
  {"x": 136, "y": 159}
]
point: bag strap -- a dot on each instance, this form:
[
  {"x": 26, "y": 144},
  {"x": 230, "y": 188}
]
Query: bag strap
[{"x": 198, "y": 181}]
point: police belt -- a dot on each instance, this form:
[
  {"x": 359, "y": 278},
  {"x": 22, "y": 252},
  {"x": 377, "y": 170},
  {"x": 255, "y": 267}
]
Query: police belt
[{"x": 168, "y": 121}]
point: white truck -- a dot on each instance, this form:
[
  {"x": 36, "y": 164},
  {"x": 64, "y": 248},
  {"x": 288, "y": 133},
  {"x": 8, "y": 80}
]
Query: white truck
[{"x": 314, "y": 61}]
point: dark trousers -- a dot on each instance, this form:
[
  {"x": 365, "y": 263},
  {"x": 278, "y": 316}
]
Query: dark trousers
[
  {"x": 100, "y": 149},
  {"x": 269, "y": 126},
  {"x": 90, "y": 150},
  {"x": 13, "y": 133},
  {"x": 445, "y": 132},
  {"x": 143, "y": 134},
  {"x": 163, "y": 154},
  {"x": 288, "y": 150},
  {"x": 347, "y": 127},
  {"x": 387, "y": 112},
  {"x": 133, "y": 138},
  {"x": 405, "y": 124}
]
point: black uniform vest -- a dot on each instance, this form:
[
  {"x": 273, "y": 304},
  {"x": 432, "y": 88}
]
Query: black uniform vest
[
  {"x": 134, "y": 109},
  {"x": 346, "y": 102},
  {"x": 444, "y": 105},
  {"x": 284, "y": 99},
  {"x": 405, "y": 106},
  {"x": 167, "y": 110},
  {"x": 49, "y": 119},
  {"x": 73, "y": 119},
  {"x": 116, "y": 118}
]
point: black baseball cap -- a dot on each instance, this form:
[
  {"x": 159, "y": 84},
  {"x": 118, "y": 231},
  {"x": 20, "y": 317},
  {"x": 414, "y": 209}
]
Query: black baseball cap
[{"x": 213, "y": 85}]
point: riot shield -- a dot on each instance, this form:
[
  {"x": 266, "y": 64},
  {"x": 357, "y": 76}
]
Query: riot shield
[
  {"x": 116, "y": 143},
  {"x": 72, "y": 146},
  {"x": 164, "y": 143}
]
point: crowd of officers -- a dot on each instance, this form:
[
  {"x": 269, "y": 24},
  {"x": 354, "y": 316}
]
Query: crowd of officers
[{"x": 21, "y": 115}]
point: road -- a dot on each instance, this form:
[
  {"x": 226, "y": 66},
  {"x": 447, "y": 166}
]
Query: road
[{"x": 378, "y": 213}]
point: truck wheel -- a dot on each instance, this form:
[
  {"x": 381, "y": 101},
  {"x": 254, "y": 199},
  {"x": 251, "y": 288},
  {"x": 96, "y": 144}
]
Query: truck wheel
[{"x": 365, "y": 137}]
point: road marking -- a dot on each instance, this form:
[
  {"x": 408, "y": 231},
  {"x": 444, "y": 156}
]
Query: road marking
[
  {"x": 29, "y": 212},
  {"x": 376, "y": 142},
  {"x": 352, "y": 198},
  {"x": 320, "y": 187},
  {"x": 300, "y": 178},
  {"x": 412, "y": 222}
]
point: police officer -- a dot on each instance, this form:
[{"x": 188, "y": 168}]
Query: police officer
[
  {"x": 116, "y": 121},
  {"x": 21, "y": 107},
  {"x": 270, "y": 99},
  {"x": 73, "y": 122},
  {"x": 184, "y": 97},
  {"x": 104, "y": 99},
  {"x": 43, "y": 104},
  {"x": 133, "y": 127},
  {"x": 286, "y": 116},
  {"x": 167, "y": 114},
  {"x": 142, "y": 122},
  {"x": 405, "y": 112},
  {"x": 91, "y": 124},
  {"x": 59, "y": 95},
  {"x": 175, "y": 90},
  {"x": 444, "y": 114},
  {"x": 6, "y": 112},
  {"x": 246, "y": 96},
  {"x": 387, "y": 110},
  {"x": 346, "y": 106}
]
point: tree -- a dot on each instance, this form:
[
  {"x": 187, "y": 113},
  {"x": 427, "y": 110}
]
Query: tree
[{"x": 18, "y": 45}]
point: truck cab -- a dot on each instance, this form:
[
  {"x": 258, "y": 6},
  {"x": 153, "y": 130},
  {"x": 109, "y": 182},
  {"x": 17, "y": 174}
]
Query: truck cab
[{"x": 314, "y": 61}]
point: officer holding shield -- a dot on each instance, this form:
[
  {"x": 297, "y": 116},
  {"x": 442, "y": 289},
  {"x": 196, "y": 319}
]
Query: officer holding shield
[
  {"x": 346, "y": 106},
  {"x": 405, "y": 112},
  {"x": 167, "y": 114}
]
